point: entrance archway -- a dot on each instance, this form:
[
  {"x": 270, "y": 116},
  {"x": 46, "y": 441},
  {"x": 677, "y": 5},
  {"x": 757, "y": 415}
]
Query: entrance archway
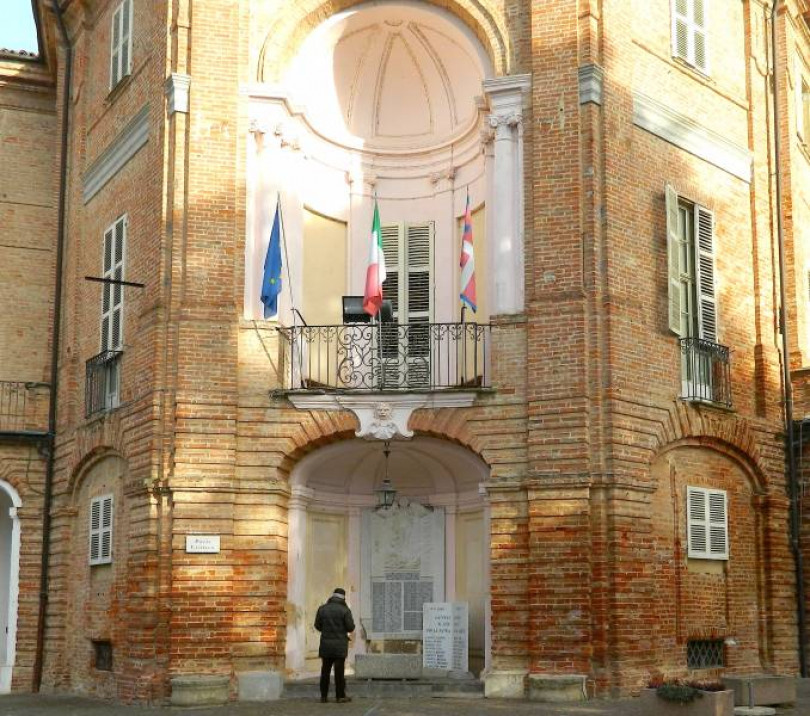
[
  {"x": 9, "y": 581},
  {"x": 441, "y": 533}
]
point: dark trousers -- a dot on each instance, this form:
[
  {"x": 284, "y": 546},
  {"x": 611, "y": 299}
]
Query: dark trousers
[{"x": 340, "y": 681}]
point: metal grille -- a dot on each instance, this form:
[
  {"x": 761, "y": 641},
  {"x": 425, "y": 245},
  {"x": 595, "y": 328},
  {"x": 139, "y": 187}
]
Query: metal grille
[
  {"x": 386, "y": 356},
  {"x": 23, "y": 407},
  {"x": 704, "y": 653},
  {"x": 101, "y": 382},
  {"x": 706, "y": 371},
  {"x": 102, "y": 655}
]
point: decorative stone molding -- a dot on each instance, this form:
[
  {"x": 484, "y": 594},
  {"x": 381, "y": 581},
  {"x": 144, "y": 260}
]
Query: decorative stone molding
[
  {"x": 177, "y": 87},
  {"x": 685, "y": 133},
  {"x": 383, "y": 416},
  {"x": 115, "y": 156},
  {"x": 591, "y": 79}
]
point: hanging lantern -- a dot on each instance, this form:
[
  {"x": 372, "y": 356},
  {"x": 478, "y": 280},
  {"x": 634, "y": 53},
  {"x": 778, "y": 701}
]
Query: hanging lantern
[{"x": 386, "y": 493}]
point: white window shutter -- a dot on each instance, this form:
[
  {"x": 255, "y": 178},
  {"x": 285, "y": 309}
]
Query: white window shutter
[
  {"x": 126, "y": 38},
  {"x": 680, "y": 29},
  {"x": 675, "y": 290},
  {"x": 797, "y": 90},
  {"x": 115, "y": 48},
  {"x": 707, "y": 523},
  {"x": 697, "y": 522},
  {"x": 705, "y": 273},
  {"x": 101, "y": 529},
  {"x": 419, "y": 242},
  {"x": 699, "y": 42},
  {"x": 391, "y": 235},
  {"x": 718, "y": 524}
]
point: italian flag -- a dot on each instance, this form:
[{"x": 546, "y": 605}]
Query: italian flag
[{"x": 375, "y": 273}]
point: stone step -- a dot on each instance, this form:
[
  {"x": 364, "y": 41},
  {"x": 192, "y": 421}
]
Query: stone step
[{"x": 399, "y": 688}]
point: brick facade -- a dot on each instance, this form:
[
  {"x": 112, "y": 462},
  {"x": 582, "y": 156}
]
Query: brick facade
[{"x": 588, "y": 444}]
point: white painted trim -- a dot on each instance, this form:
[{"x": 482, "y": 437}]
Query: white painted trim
[
  {"x": 6, "y": 670},
  {"x": 117, "y": 154},
  {"x": 685, "y": 133},
  {"x": 177, "y": 90}
]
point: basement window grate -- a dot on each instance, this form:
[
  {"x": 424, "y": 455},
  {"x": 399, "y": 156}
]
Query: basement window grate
[
  {"x": 704, "y": 653},
  {"x": 102, "y": 655}
]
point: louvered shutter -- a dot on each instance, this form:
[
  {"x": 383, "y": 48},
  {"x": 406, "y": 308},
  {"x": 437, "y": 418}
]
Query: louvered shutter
[
  {"x": 392, "y": 242},
  {"x": 680, "y": 29},
  {"x": 112, "y": 295},
  {"x": 126, "y": 37},
  {"x": 718, "y": 524},
  {"x": 707, "y": 523},
  {"x": 115, "y": 48},
  {"x": 101, "y": 529},
  {"x": 419, "y": 240},
  {"x": 674, "y": 263},
  {"x": 797, "y": 89},
  {"x": 696, "y": 522},
  {"x": 699, "y": 45},
  {"x": 705, "y": 273},
  {"x": 106, "y": 290}
]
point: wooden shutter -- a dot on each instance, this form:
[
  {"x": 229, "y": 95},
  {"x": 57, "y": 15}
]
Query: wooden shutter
[
  {"x": 106, "y": 289},
  {"x": 680, "y": 29},
  {"x": 674, "y": 268},
  {"x": 101, "y": 529},
  {"x": 115, "y": 48},
  {"x": 392, "y": 245},
  {"x": 700, "y": 53},
  {"x": 112, "y": 295},
  {"x": 126, "y": 38},
  {"x": 418, "y": 249},
  {"x": 798, "y": 93},
  {"x": 707, "y": 523},
  {"x": 704, "y": 274}
]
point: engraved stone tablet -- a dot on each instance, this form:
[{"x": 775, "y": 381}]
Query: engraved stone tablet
[{"x": 445, "y": 636}]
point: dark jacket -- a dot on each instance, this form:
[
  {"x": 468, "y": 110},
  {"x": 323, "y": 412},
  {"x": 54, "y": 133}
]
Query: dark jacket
[{"x": 334, "y": 622}]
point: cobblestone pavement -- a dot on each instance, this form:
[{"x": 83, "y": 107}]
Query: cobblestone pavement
[{"x": 54, "y": 705}]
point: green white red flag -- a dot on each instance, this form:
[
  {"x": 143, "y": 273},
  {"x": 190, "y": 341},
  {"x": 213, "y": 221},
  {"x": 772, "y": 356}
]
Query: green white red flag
[{"x": 375, "y": 273}]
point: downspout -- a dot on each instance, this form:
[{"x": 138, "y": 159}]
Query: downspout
[
  {"x": 793, "y": 487},
  {"x": 56, "y": 330}
]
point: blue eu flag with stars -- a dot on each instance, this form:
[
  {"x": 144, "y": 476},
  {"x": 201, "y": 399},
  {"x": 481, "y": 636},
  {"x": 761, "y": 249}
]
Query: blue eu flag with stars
[{"x": 271, "y": 282}]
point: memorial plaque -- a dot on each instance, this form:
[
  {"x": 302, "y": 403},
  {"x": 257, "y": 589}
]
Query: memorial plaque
[
  {"x": 445, "y": 636},
  {"x": 202, "y": 544},
  {"x": 404, "y": 565}
]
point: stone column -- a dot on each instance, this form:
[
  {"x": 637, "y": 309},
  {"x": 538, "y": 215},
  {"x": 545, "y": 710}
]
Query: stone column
[
  {"x": 506, "y": 97},
  {"x": 296, "y": 575}
]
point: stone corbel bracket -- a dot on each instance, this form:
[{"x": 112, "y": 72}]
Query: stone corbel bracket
[{"x": 383, "y": 416}]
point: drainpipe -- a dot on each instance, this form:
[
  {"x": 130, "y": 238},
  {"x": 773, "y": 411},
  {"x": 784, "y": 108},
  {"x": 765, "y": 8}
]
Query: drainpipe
[
  {"x": 56, "y": 330},
  {"x": 793, "y": 486}
]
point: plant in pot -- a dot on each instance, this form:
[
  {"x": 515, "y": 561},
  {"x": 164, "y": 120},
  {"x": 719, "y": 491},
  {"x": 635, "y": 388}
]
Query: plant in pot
[{"x": 692, "y": 698}]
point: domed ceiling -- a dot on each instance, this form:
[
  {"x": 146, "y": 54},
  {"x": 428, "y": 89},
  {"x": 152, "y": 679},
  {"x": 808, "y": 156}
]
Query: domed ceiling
[{"x": 391, "y": 75}]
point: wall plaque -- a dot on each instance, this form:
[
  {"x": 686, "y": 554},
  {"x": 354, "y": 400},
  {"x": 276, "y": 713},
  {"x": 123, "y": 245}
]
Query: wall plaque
[
  {"x": 202, "y": 544},
  {"x": 445, "y": 636}
]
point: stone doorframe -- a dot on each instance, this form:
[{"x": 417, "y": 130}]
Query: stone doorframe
[{"x": 6, "y": 669}]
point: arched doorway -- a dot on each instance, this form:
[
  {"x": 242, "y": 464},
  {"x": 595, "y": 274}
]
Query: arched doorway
[
  {"x": 431, "y": 546},
  {"x": 9, "y": 581}
]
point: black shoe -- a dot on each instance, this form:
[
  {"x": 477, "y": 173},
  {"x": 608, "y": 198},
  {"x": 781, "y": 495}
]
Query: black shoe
[
  {"x": 324, "y": 700},
  {"x": 344, "y": 699}
]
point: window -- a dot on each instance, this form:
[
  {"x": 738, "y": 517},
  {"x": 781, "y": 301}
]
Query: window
[
  {"x": 802, "y": 90},
  {"x": 102, "y": 656},
  {"x": 112, "y": 309},
  {"x": 101, "y": 526},
  {"x": 689, "y": 33},
  {"x": 408, "y": 250},
  {"x": 121, "y": 43},
  {"x": 704, "y": 654},
  {"x": 707, "y": 523}
]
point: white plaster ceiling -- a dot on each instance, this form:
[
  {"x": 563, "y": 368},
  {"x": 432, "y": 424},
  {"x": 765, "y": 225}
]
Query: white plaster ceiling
[
  {"x": 418, "y": 468},
  {"x": 395, "y": 75}
]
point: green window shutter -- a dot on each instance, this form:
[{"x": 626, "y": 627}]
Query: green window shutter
[
  {"x": 705, "y": 274},
  {"x": 675, "y": 297}
]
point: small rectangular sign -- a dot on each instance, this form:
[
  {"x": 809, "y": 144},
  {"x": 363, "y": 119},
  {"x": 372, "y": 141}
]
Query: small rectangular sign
[{"x": 202, "y": 544}]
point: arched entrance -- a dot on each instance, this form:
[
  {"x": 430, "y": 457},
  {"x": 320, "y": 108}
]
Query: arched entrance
[
  {"x": 9, "y": 581},
  {"x": 431, "y": 546}
]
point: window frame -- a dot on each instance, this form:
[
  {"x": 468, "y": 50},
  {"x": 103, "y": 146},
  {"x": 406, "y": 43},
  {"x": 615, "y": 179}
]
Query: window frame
[
  {"x": 692, "y": 28},
  {"x": 123, "y": 32},
  {"x": 109, "y": 339},
  {"x": 709, "y": 553},
  {"x": 98, "y": 556}
]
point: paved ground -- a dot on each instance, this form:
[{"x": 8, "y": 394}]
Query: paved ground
[{"x": 44, "y": 705}]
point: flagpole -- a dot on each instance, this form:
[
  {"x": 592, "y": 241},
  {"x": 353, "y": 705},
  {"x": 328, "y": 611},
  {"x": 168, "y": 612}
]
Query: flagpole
[{"x": 289, "y": 283}]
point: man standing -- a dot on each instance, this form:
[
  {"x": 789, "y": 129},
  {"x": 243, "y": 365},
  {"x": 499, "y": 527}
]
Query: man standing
[{"x": 334, "y": 622}]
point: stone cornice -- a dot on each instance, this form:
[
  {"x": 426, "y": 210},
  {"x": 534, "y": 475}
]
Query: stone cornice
[
  {"x": 591, "y": 80},
  {"x": 685, "y": 133},
  {"x": 117, "y": 154}
]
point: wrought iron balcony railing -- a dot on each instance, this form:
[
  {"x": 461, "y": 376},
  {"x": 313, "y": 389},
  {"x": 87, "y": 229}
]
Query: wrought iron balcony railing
[
  {"x": 23, "y": 408},
  {"x": 706, "y": 375},
  {"x": 102, "y": 378},
  {"x": 386, "y": 356}
]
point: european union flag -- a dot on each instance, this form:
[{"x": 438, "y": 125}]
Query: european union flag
[{"x": 271, "y": 282}]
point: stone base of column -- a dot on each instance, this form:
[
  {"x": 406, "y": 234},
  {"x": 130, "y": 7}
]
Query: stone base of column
[
  {"x": 203, "y": 690},
  {"x": 557, "y": 688},
  {"x": 506, "y": 684}
]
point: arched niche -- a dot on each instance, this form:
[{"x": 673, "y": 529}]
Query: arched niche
[{"x": 10, "y": 503}]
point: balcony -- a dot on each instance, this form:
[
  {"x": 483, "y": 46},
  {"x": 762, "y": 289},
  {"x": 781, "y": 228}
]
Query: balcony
[
  {"x": 361, "y": 358},
  {"x": 102, "y": 378},
  {"x": 23, "y": 409},
  {"x": 706, "y": 376}
]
